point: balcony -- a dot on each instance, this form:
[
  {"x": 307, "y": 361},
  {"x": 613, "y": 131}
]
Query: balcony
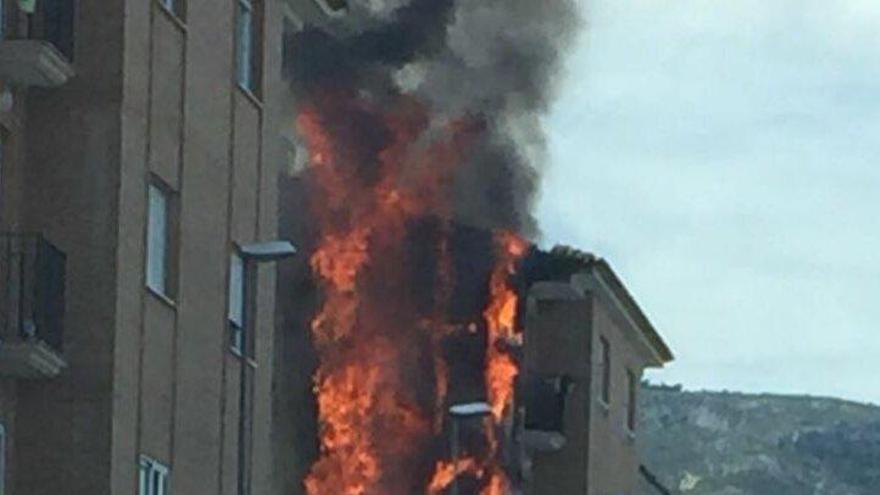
[
  {"x": 32, "y": 278},
  {"x": 40, "y": 52}
]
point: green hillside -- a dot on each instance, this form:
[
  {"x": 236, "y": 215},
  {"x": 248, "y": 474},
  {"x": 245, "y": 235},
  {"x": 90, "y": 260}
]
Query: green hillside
[{"x": 706, "y": 443}]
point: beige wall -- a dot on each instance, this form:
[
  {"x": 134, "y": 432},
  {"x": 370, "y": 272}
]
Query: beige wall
[
  {"x": 613, "y": 456},
  {"x": 153, "y": 96},
  {"x": 562, "y": 337},
  {"x": 71, "y": 195},
  {"x": 557, "y": 342}
]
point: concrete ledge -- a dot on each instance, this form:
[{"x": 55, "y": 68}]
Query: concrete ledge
[
  {"x": 33, "y": 63},
  {"x": 30, "y": 360}
]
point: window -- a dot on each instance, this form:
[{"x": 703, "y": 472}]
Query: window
[
  {"x": 153, "y": 478},
  {"x": 237, "y": 308},
  {"x": 249, "y": 45},
  {"x": 631, "y": 406},
  {"x": 2, "y": 25},
  {"x": 160, "y": 230},
  {"x": 605, "y": 369},
  {"x": 174, "y": 6}
]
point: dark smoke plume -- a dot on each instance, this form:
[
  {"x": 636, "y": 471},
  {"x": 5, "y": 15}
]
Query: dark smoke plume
[{"x": 494, "y": 61}]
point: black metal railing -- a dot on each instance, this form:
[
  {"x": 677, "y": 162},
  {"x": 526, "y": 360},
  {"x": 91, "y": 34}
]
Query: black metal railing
[
  {"x": 32, "y": 279},
  {"x": 53, "y": 22}
]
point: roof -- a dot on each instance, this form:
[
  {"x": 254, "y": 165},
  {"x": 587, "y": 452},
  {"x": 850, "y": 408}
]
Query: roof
[{"x": 577, "y": 260}]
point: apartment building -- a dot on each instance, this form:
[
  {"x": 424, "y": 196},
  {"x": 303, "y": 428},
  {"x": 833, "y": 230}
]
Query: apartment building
[
  {"x": 140, "y": 146},
  {"x": 587, "y": 345}
]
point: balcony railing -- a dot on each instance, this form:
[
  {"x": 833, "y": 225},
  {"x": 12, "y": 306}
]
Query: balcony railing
[
  {"x": 32, "y": 278},
  {"x": 53, "y": 22},
  {"x": 38, "y": 47}
]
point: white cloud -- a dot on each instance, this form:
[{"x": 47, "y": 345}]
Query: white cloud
[{"x": 722, "y": 155}]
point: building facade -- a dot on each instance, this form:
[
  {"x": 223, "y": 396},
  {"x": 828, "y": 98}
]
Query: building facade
[
  {"x": 587, "y": 345},
  {"x": 141, "y": 145},
  {"x": 141, "y": 141}
]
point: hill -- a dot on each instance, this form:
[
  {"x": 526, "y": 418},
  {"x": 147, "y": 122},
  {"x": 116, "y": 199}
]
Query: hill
[{"x": 710, "y": 443}]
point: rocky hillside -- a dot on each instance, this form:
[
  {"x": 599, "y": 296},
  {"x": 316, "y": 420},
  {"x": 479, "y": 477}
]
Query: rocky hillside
[{"x": 702, "y": 443}]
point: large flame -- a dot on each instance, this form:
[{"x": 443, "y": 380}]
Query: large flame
[
  {"x": 383, "y": 380},
  {"x": 501, "y": 369}
]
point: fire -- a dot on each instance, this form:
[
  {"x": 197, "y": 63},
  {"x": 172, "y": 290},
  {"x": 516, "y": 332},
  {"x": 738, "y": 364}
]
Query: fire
[
  {"x": 446, "y": 472},
  {"x": 498, "y": 485},
  {"x": 383, "y": 381},
  {"x": 501, "y": 369}
]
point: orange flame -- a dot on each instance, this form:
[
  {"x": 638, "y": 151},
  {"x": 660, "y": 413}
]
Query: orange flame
[
  {"x": 501, "y": 369},
  {"x": 446, "y": 472},
  {"x": 373, "y": 426}
]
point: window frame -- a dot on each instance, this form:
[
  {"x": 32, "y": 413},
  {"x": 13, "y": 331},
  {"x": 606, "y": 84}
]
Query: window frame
[
  {"x": 176, "y": 8},
  {"x": 605, "y": 370},
  {"x": 166, "y": 288},
  {"x": 632, "y": 398},
  {"x": 148, "y": 471},
  {"x": 237, "y": 318},
  {"x": 249, "y": 46}
]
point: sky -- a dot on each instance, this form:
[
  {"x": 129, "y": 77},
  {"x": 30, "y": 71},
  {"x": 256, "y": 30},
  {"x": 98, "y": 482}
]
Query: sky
[{"x": 723, "y": 156}]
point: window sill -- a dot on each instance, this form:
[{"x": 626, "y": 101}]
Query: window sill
[
  {"x": 250, "y": 95},
  {"x": 172, "y": 16},
  {"x": 604, "y": 406},
  {"x": 167, "y": 301}
]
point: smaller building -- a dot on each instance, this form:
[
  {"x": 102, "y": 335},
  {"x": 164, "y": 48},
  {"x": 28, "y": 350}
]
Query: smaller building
[{"x": 587, "y": 345}]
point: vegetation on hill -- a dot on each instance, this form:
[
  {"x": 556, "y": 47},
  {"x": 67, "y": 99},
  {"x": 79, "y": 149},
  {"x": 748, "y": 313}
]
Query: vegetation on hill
[{"x": 711, "y": 443}]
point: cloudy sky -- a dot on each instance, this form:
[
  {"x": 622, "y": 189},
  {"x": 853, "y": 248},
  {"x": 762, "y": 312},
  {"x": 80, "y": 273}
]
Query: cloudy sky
[{"x": 725, "y": 157}]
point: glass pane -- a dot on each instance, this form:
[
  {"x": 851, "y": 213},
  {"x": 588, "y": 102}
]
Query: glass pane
[
  {"x": 156, "y": 482},
  {"x": 144, "y": 478},
  {"x": 237, "y": 339},
  {"x": 157, "y": 237},
  {"x": 162, "y": 487},
  {"x": 245, "y": 44},
  {"x": 236, "y": 290}
]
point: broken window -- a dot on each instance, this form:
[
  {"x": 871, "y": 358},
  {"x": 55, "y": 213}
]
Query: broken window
[{"x": 545, "y": 399}]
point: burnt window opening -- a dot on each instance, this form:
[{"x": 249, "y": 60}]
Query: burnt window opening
[{"x": 545, "y": 400}]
